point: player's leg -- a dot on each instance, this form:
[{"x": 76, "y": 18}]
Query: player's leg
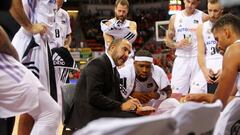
[
  {"x": 47, "y": 116},
  {"x": 181, "y": 75},
  {"x": 198, "y": 84},
  {"x": 25, "y": 124},
  {"x": 197, "y": 80}
]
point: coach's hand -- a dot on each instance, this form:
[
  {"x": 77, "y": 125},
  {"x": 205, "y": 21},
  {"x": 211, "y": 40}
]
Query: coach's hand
[
  {"x": 146, "y": 110},
  {"x": 130, "y": 105}
]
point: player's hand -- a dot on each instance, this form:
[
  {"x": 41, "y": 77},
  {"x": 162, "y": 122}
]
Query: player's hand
[
  {"x": 153, "y": 95},
  {"x": 208, "y": 75},
  {"x": 38, "y": 28},
  {"x": 183, "y": 43},
  {"x": 167, "y": 90},
  {"x": 108, "y": 23},
  {"x": 143, "y": 97},
  {"x": 218, "y": 76},
  {"x": 67, "y": 46},
  {"x": 199, "y": 97},
  {"x": 131, "y": 105}
]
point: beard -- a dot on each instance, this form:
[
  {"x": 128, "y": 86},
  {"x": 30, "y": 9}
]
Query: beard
[
  {"x": 119, "y": 61},
  {"x": 121, "y": 18}
]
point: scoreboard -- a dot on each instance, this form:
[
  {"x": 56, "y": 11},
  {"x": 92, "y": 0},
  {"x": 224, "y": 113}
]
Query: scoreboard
[{"x": 174, "y": 6}]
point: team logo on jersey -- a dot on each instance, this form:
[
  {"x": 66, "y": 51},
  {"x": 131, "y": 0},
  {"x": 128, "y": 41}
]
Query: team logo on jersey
[
  {"x": 180, "y": 21},
  {"x": 235, "y": 128},
  {"x": 57, "y": 60},
  {"x": 195, "y": 21},
  {"x": 129, "y": 36}
]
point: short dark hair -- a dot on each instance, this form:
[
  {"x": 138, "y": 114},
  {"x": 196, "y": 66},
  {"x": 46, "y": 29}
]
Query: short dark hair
[
  {"x": 114, "y": 42},
  {"x": 228, "y": 19},
  {"x": 122, "y": 2},
  {"x": 143, "y": 53}
]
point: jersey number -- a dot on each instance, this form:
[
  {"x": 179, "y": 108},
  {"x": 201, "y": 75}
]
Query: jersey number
[
  {"x": 57, "y": 33},
  {"x": 214, "y": 50}
]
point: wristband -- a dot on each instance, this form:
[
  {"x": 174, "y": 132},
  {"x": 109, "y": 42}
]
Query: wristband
[{"x": 162, "y": 95}]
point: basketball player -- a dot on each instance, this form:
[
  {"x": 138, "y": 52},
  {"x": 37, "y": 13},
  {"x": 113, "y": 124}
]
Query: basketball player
[
  {"x": 182, "y": 27},
  {"x": 62, "y": 38},
  {"x": 18, "y": 13},
  {"x": 62, "y": 29},
  {"x": 36, "y": 13},
  {"x": 119, "y": 27},
  {"x": 143, "y": 80},
  {"x": 20, "y": 91},
  {"x": 209, "y": 58},
  {"x": 34, "y": 51}
]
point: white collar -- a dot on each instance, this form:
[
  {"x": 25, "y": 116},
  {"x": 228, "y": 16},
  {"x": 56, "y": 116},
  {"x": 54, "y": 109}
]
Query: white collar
[{"x": 111, "y": 60}]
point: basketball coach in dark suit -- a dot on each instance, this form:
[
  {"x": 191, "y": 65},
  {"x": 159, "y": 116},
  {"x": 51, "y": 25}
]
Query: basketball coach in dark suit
[{"x": 98, "y": 93}]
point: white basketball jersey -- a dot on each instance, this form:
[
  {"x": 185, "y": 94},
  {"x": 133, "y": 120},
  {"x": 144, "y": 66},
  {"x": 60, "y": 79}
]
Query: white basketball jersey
[
  {"x": 209, "y": 41},
  {"x": 145, "y": 86},
  {"x": 41, "y": 11},
  {"x": 44, "y": 12},
  {"x": 61, "y": 28},
  {"x": 186, "y": 27},
  {"x": 121, "y": 34}
]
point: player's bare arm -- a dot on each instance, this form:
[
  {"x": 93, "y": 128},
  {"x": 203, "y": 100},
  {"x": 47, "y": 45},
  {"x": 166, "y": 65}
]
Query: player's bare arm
[
  {"x": 68, "y": 41},
  {"x": 205, "y": 17},
  {"x": 107, "y": 38},
  {"x": 229, "y": 73},
  {"x": 6, "y": 46},
  {"x": 19, "y": 15},
  {"x": 171, "y": 34},
  {"x": 133, "y": 27},
  {"x": 201, "y": 55},
  {"x": 143, "y": 97},
  {"x": 218, "y": 76},
  {"x": 234, "y": 90}
]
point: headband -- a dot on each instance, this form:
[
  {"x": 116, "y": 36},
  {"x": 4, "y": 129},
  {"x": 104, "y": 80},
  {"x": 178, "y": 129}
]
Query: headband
[{"x": 143, "y": 58}]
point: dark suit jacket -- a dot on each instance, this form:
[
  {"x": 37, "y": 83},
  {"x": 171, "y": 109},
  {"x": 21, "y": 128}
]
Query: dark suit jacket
[{"x": 97, "y": 94}]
